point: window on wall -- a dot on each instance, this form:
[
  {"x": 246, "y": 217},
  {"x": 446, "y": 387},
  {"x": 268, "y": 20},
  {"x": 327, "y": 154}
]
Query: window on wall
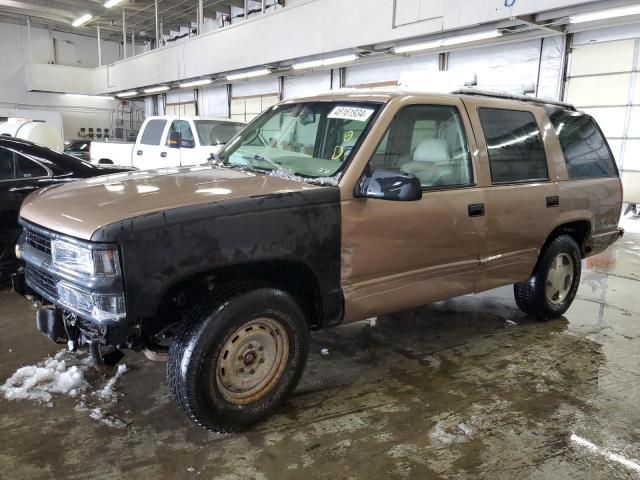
[
  {"x": 245, "y": 109},
  {"x": 585, "y": 149},
  {"x": 514, "y": 145},
  {"x": 185, "y": 109},
  {"x": 427, "y": 141}
]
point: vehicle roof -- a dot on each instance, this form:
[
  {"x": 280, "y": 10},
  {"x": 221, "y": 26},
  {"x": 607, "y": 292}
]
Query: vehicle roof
[
  {"x": 376, "y": 95},
  {"x": 191, "y": 117}
]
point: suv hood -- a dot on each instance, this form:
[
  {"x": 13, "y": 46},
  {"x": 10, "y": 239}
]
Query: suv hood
[{"x": 80, "y": 208}]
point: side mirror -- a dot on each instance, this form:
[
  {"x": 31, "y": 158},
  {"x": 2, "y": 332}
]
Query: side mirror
[
  {"x": 175, "y": 139},
  {"x": 390, "y": 185}
]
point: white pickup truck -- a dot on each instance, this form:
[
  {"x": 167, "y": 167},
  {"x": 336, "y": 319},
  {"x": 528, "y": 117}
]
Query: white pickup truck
[{"x": 169, "y": 142}]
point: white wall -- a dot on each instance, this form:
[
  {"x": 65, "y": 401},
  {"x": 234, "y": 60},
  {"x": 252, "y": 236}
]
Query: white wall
[
  {"x": 64, "y": 112},
  {"x": 308, "y": 28}
]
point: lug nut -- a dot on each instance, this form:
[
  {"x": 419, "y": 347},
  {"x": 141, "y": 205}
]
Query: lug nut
[
  {"x": 250, "y": 346},
  {"x": 240, "y": 357},
  {"x": 261, "y": 360},
  {"x": 241, "y": 370},
  {"x": 252, "y": 372},
  {"x": 260, "y": 348}
]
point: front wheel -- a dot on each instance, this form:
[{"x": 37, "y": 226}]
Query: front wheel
[
  {"x": 238, "y": 358},
  {"x": 554, "y": 283}
]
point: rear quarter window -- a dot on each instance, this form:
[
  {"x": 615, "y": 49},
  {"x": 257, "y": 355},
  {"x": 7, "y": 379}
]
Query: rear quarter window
[
  {"x": 514, "y": 145},
  {"x": 153, "y": 132},
  {"x": 585, "y": 149}
]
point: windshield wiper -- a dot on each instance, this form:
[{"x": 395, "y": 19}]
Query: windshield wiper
[{"x": 276, "y": 166}]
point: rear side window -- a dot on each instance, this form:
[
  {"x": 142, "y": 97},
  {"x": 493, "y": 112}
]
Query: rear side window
[
  {"x": 585, "y": 148},
  {"x": 516, "y": 153},
  {"x": 153, "y": 132},
  {"x": 26, "y": 168}
]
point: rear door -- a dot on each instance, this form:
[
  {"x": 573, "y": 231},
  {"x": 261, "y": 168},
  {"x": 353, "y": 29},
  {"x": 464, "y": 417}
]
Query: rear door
[
  {"x": 520, "y": 186},
  {"x": 150, "y": 151}
]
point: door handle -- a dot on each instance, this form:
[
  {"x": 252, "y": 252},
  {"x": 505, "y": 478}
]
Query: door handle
[
  {"x": 163, "y": 154},
  {"x": 476, "y": 209},
  {"x": 553, "y": 201},
  {"x": 139, "y": 152},
  {"x": 22, "y": 189}
]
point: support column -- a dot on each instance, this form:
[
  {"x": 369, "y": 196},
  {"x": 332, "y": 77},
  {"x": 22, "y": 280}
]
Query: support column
[
  {"x": 99, "y": 46},
  {"x": 200, "y": 17},
  {"x": 157, "y": 31},
  {"x": 124, "y": 35},
  {"x": 30, "y": 56},
  {"x": 133, "y": 44}
]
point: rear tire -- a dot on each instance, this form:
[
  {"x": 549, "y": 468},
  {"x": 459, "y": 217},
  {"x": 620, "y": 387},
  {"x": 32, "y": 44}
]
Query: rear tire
[
  {"x": 554, "y": 283},
  {"x": 238, "y": 357}
]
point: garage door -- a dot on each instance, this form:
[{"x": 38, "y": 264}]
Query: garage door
[{"x": 602, "y": 80}]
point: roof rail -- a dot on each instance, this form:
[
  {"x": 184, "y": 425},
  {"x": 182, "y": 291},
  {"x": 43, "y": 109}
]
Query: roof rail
[{"x": 510, "y": 96}]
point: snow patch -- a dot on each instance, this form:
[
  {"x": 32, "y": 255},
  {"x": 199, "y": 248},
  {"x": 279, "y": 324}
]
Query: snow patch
[
  {"x": 66, "y": 374},
  {"x": 60, "y": 374},
  {"x": 459, "y": 433}
]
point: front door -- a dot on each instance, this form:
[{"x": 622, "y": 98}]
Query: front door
[
  {"x": 401, "y": 254},
  {"x": 184, "y": 151}
]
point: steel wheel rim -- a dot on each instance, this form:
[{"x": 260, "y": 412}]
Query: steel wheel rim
[
  {"x": 560, "y": 278},
  {"x": 252, "y": 360}
]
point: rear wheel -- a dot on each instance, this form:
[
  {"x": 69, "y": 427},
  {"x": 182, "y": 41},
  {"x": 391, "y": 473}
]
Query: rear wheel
[
  {"x": 238, "y": 358},
  {"x": 554, "y": 283}
]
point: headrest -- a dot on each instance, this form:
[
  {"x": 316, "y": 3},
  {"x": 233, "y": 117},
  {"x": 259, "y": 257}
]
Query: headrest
[{"x": 433, "y": 150}]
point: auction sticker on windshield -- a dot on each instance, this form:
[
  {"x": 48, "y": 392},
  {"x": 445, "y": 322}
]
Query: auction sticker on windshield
[{"x": 351, "y": 113}]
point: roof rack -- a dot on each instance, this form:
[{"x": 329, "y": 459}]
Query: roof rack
[{"x": 510, "y": 96}]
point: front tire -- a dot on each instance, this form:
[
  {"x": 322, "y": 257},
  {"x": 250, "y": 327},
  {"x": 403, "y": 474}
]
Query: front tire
[
  {"x": 238, "y": 358},
  {"x": 554, "y": 283}
]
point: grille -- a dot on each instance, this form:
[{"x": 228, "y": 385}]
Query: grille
[
  {"x": 41, "y": 282},
  {"x": 38, "y": 241}
]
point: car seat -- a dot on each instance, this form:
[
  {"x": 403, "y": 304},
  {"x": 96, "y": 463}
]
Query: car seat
[{"x": 429, "y": 157}]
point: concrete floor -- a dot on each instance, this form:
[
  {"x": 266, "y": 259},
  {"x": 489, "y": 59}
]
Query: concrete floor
[{"x": 451, "y": 390}]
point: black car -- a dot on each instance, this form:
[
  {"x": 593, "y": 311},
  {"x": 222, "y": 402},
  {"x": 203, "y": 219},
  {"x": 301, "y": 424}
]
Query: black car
[{"x": 25, "y": 167}]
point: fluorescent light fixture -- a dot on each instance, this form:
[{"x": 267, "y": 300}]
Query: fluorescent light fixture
[
  {"x": 254, "y": 73},
  {"x": 112, "y": 3},
  {"x": 127, "y": 94},
  {"x": 161, "y": 88},
  {"x": 472, "y": 37},
  {"x": 196, "y": 83},
  {"x": 82, "y": 95},
  {"x": 446, "y": 42},
  {"x": 325, "y": 62},
  {"x": 604, "y": 14},
  {"x": 81, "y": 20}
]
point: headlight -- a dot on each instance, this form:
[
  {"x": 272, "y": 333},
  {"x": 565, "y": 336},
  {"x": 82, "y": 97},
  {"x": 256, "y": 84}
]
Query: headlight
[
  {"x": 99, "y": 306},
  {"x": 68, "y": 256}
]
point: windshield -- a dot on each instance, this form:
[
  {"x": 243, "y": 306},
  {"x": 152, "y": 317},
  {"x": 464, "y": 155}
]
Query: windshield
[
  {"x": 211, "y": 132},
  {"x": 310, "y": 140}
]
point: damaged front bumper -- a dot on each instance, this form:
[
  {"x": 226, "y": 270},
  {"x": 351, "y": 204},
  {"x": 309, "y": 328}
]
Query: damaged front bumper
[{"x": 47, "y": 286}]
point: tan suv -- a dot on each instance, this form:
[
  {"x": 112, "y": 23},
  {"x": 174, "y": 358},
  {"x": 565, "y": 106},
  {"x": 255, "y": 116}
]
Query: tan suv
[{"x": 322, "y": 211}]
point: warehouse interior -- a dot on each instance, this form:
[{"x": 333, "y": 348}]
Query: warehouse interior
[{"x": 464, "y": 387}]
